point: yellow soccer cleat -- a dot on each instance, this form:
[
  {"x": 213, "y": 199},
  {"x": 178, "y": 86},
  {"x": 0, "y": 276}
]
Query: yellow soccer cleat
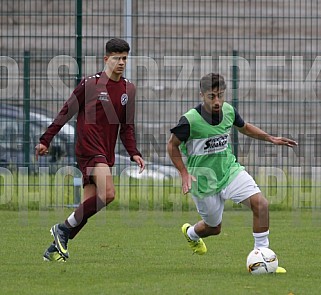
[
  {"x": 61, "y": 235},
  {"x": 280, "y": 270},
  {"x": 199, "y": 246},
  {"x": 52, "y": 254}
]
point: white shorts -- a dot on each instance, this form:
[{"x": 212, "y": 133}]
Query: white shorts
[{"x": 211, "y": 208}]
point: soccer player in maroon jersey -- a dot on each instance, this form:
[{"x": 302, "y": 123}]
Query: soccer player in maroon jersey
[{"x": 105, "y": 103}]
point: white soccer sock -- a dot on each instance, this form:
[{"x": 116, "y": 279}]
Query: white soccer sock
[
  {"x": 72, "y": 220},
  {"x": 261, "y": 240},
  {"x": 192, "y": 234}
]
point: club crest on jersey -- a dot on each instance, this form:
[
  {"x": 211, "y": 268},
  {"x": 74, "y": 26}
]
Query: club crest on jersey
[
  {"x": 124, "y": 99},
  {"x": 103, "y": 96}
]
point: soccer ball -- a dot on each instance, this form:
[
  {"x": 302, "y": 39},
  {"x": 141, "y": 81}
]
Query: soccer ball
[{"x": 261, "y": 261}]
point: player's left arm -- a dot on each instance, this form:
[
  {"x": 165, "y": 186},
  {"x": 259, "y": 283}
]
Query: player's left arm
[
  {"x": 127, "y": 131},
  {"x": 257, "y": 133}
]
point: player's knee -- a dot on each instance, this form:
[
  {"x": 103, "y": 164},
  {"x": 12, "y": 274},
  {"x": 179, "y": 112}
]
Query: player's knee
[
  {"x": 261, "y": 205},
  {"x": 214, "y": 230},
  {"x": 109, "y": 196},
  {"x": 217, "y": 230}
]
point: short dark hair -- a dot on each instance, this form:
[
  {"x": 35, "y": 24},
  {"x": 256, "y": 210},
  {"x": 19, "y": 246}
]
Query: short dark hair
[
  {"x": 117, "y": 45},
  {"x": 212, "y": 81}
]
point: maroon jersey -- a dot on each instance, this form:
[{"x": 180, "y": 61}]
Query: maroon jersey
[{"x": 103, "y": 105}]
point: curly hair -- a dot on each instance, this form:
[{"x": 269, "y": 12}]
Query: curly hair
[{"x": 212, "y": 81}]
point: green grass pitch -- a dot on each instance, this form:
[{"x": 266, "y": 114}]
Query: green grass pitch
[{"x": 133, "y": 252}]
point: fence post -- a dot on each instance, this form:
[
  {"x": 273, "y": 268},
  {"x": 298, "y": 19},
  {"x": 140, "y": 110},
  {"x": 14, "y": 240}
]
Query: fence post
[
  {"x": 77, "y": 190},
  {"x": 128, "y": 32},
  {"x": 235, "y": 98},
  {"x": 78, "y": 179},
  {"x": 26, "y": 108},
  {"x": 79, "y": 39}
]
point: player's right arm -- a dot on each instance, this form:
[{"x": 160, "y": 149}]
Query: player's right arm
[
  {"x": 41, "y": 150},
  {"x": 176, "y": 157},
  {"x": 69, "y": 109}
]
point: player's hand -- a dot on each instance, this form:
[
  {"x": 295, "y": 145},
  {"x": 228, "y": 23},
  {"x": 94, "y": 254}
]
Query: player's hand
[
  {"x": 187, "y": 182},
  {"x": 283, "y": 141},
  {"x": 140, "y": 162},
  {"x": 41, "y": 150}
]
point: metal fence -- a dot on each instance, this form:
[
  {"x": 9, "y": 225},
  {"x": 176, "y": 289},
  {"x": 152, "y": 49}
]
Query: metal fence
[{"x": 267, "y": 51}]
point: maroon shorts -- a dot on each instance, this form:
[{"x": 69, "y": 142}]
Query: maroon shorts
[{"x": 86, "y": 166}]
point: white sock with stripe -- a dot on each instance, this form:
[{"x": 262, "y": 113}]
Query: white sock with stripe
[
  {"x": 72, "y": 220},
  {"x": 192, "y": 234},
  {"x": 261, "y": 240}
]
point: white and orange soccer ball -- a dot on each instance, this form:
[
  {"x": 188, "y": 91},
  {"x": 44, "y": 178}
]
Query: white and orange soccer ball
[{"x": 262, "y": 261}]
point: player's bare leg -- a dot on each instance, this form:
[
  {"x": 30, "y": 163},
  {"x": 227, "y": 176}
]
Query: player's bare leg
[
  {"x": 260, "y": 208},
  {"x": 203, "y": 230},
  {"x": 98, "y": 195}
]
